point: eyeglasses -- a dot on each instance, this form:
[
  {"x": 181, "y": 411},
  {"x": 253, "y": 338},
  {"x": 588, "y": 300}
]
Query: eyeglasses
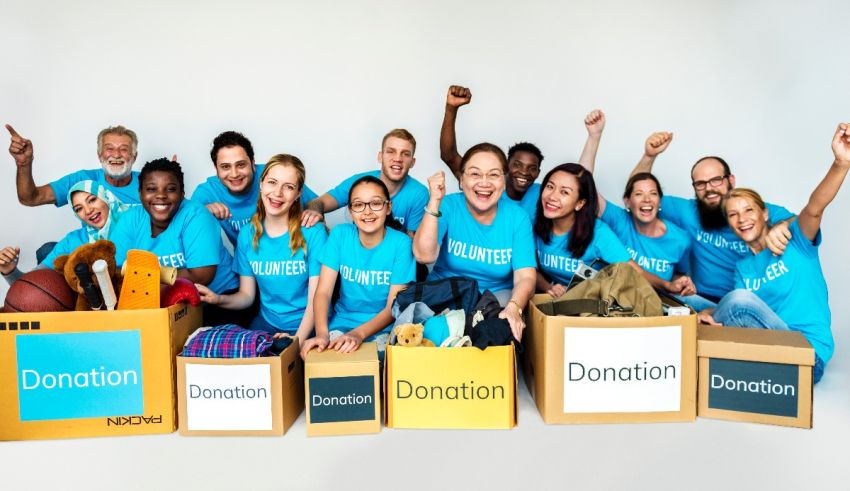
[
  {"x": 475, "y": 175},
  {"x": 714, "y": 182},
  {"x": 374, "y": 205}
]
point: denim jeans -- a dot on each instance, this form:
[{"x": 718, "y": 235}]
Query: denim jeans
[{"x": 696, "y": 302}]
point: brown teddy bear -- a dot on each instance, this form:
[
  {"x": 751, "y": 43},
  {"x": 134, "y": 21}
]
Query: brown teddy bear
[
  {"x": 87, "y": 254},
  {"x": 410, "y": 335}
]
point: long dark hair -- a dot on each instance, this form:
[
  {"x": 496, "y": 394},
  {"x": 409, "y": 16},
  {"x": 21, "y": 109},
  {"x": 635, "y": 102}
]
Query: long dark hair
[
  {"x": 584, "y": 227},
  {"x": 391, "y": 221}
]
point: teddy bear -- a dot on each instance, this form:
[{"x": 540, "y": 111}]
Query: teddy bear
[
  {"x": 410, "y": 335},
  {"x": 86, "y": 255}
]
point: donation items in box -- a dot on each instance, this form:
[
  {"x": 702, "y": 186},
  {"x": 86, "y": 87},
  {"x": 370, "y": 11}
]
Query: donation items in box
[
  {"x": 756, "y": 375},
  {"x": 610, "y": 369},
  {"x": 90, "y": 373},
  {"x": 258, "y": 394},
  {"x": 461, "y": 387},
  {"x": 343, "y": 393}
]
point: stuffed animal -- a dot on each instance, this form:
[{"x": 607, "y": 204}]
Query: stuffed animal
[
  {"x": 410, "y": 335},
  {"x": 77, "y": 270}
]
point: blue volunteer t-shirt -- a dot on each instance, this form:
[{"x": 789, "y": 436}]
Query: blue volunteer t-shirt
[
  {"x": 67, "y": 245},
  {"x": 242, "y": 206},
  {"x": 128, "y": 194},
  {"x": 282, "y": 277},
  {"x": 408, "y": 202},
  {"x": 366, "y": 274},
  {"x": 713, "y": 252},
  {"x": 192, "y": 240},
  {"x": 528, "y": 202},
  {"x": 488, "y": 253},
  {"x": 556, "y": 261},
  {"x": 793, "y": 286},
  {"x": 661, "y": 256}
]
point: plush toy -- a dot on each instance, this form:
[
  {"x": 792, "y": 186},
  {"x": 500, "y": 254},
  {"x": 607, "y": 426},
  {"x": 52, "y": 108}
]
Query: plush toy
[
  {"x": 410, "y": 335},
  {"x": 77, "y": 270}
]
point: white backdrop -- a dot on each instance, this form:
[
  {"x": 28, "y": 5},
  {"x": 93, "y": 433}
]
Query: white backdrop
[{"x": 760, "y": 83}]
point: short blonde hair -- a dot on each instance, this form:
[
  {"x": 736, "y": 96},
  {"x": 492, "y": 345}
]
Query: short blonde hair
[
  {"x": 117, "y": 130},
  {"x": 399, "y": 133},
  {"x": 744, "y": 193}
]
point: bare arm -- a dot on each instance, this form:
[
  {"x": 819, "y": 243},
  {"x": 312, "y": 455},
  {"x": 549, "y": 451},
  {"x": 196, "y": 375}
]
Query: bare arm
[
  {"x": 306, "y": 325},
  {"x": 425, "y": 246},
  {"x": 457, "y": 96},
  {"x": 524, "y": 282},
  {"x": 203, "y": 275},
  {"x": 28, "y": 193},
  {"x": 321, "y": 308},
  {"x": 239, "y": 300},
  {"x": 812, "y": 214},
  {"x": 315, "y": 210},
  {"x": 654, "y": 145},
  {"x": 595, "y": 124},
  {"x": 352, "y": 340}
]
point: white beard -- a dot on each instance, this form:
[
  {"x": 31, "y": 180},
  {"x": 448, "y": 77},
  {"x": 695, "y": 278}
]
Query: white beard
[{"x": 122, "y": 173}]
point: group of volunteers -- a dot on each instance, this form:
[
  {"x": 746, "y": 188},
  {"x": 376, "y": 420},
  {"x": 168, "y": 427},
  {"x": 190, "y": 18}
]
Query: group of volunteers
[{"x": 735, "y": 259}]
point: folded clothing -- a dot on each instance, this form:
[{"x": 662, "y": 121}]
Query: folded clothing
[{"x": 227, "y": 341}]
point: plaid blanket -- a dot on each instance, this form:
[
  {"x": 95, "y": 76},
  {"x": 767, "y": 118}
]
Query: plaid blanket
[{"x": 227, "y": 341}]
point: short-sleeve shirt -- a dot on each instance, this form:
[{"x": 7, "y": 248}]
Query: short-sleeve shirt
[
  {"x": 128, "y": 194},
  {"x": 242, "y": 206},
  {"x": 793, "y": 286},
  {"x": 282, "y": 277},
  {"x": 488, "y": 253},
  {"x": 528, "y": 202},
  {"x": 713, "y": 252},
  {"x": 558, "y": 263},
  {"x": 192, "y": 240},
  {"x": 662, "y": 255},
  {"x": 408, "y": 202},
  {"x": 67, "y": 245},
  {"x": 366, "y": 275}
]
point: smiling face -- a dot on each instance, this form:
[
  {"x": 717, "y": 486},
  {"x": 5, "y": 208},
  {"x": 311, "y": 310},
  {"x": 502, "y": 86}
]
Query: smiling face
[
  {"x": 396, "y": 158},
  {"x": 234, "y": 169},
  {"x": 711, "y": 183},
  {"x": 483, "y": 181},
  {"x": 116, "y": 155},
  {"x": 92, "y": 210},
  {"x": 523, "y": 170},
  {"x": 644, "y": 201},
  {"x": 560, "y": 196},
  {"x": 279, "y": 190},
  {"x": 746, "y": 219},
  {"x": 161, "y": 196},
  {"x": 369, "y": 221}
]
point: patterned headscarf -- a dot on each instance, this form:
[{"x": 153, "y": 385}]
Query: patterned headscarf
[{"x": 116, "y": 208}]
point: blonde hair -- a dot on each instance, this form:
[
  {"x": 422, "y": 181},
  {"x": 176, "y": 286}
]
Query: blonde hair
[
  {"x": 399, "y": 133},
  {"x": 296, "y": 238},
  {"x": 744, "y": 193},
  {"x": 117, "y": 130}
]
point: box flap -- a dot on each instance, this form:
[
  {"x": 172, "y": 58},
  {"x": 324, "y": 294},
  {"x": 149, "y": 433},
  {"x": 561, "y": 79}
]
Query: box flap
[{"x": 754, "y": 344}]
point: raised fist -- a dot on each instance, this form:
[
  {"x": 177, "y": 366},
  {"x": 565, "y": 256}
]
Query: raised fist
[
  {"x": 841, "y": 144},
  {"x": 595, "y": 122},
  {"x": 437, "y": 186},
  {"x": 657, "y": 143},
  {"x": 458, "y": 96}
]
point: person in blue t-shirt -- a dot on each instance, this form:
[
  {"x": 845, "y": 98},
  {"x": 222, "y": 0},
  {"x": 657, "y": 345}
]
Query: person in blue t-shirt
[
  {"x": 524, "y": 159},
  {"x": 373, "y": 262},
  {"x": 477, "y": 235},
  {"x": 714, "y": 247},
  {"x": 116, "y": 151},
  {"x": 181, "y": 233},
  {"x": 275, "y": 257},
  {"x": 787, "y": 291},
  {"x": 231, "y": 195},
  {"x": 408, "y": 195},
  {"x": 97, "y": 209}
]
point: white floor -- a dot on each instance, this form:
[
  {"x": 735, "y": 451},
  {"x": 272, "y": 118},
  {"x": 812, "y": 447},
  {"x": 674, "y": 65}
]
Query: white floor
[{"x": 708, "y": 454}]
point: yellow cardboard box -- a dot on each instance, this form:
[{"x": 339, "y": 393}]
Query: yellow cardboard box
[
  {"x": 755, "y": 375},
  {"x": 80, "y": 374},
  {"x": 343, "y": 392},
  {"x": 611, "y": 369},
  {"x": 240, "y": 396},
  {"x": 464, "y": 388}
]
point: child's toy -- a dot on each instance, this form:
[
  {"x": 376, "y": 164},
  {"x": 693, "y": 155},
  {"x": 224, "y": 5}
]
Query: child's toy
[
  {"x": 141, "y": 281},
  {"x": 182, "y": 290},
  {"x": 42, "y": 290},
  {"x": 410, "y": 335},
  {"x": 76, "y": 268}
]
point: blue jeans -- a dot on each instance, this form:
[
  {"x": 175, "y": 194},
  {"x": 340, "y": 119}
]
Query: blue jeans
[
  {"x": 743, "y": 308},
  {"x": 696, "y": 302}
]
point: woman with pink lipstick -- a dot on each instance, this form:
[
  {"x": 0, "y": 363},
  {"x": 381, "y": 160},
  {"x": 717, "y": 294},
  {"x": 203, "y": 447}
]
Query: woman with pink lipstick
[
  {"x": 476, "y": 234},
  {"x": 786, "y": 292}
]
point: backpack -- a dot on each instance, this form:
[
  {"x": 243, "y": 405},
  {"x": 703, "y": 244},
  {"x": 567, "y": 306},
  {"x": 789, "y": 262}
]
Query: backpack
[{"x": 455, "y": 293}]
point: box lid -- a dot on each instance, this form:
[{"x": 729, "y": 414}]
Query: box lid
[
  {"x": 366, "y": 352},
  {"x": 754, "y": 344}
]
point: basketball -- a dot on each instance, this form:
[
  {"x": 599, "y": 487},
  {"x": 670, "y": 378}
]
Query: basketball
[{"x": 42, "y": 290}]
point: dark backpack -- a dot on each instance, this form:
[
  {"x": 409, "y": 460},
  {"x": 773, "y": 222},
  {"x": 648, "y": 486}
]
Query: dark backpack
[{"x": 448, "y": 293}]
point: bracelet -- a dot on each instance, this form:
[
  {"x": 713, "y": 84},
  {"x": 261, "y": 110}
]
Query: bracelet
[
  {"x": 437, "y": 213},
  {"x": 517, "y": 305}
]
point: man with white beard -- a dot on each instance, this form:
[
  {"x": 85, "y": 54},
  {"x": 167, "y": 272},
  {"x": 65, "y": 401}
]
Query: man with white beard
[{"x": 116, "y": 151}]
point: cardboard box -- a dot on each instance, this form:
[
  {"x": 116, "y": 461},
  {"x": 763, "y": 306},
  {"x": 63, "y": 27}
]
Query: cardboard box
[
  {"x": 343, "y": 392},
  {"x": 756, "y": 375},
  {"x": 240, "y": 396},
  {"x": 464, "y": 388},
  {"x": 80, "y": 374},
  {"x": 611, "y": 369}
]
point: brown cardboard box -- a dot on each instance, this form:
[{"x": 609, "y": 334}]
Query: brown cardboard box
[
  {"x": 755, "y": 375},
  {"x": 240, "y": 396},
  {"x": 611, "y": 369},
  {"x": 95, "y": 373},
  {"x": 451, "y": 387},
  {"x": 343, "y": 392}
]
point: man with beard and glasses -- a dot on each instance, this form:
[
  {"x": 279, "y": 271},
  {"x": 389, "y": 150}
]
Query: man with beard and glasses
[
  {"x": 116, "y": 151},
  {"x": 715, "y": 248}
]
